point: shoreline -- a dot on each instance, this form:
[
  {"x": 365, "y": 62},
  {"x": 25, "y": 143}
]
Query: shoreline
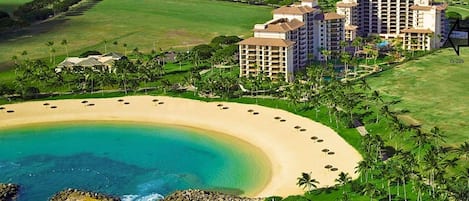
[
  {"x": 256, "y": 156},
  {"x": 290, "y": 150}
]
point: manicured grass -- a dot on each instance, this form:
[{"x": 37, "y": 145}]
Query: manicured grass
[
  {"x": 463, "y": 10},
  {"x": 434, "y": 89},
  {"x": 10, "y": 5},
  {"x": 144, "y": 24}
]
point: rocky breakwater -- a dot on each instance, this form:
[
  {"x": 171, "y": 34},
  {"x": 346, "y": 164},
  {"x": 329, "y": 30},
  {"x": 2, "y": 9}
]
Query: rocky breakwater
[
  {"x": 9, "y": 192},
  {"x": 79, "y": 195},
  {"x": 200, "y": 195}
]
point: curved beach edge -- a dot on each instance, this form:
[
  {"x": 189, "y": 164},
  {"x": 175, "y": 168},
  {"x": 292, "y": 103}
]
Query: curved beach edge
[{"x": 292, "y": 143}]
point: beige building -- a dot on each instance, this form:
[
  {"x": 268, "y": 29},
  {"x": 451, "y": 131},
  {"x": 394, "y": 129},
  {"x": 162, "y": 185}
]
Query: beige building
[
  {"x": 329, "y": 32},
  {"x": 290, "y": 41},
  {"x": 428, "y": 27},
  {"x": 103, "y": 63},
  {"x": 421, "y": 24},
  {"x": 271, "y": 56},
  {"x": 349, "y": 9}
]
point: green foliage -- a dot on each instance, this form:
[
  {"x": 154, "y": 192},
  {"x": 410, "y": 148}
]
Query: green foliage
[
  {"x": 30, "y": 93},
  {"x": 224, "y": 40},
  {"x": 453, "y": 15},
  {"x": 295, "y": 198},
  {"x": 203, "y": 51},
  {"x": 273, "y": 198},
  {"x": 6, "y": 89}
]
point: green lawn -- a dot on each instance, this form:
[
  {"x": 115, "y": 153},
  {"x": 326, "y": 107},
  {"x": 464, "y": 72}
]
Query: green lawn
[
  {"x": 434, "y": 89},
  {"x": 144, "y": 24},
  {"x": 10, "y": 5},
  {"x": 463, "y": 10}
]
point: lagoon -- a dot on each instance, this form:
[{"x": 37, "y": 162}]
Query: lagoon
[{"x": 133, "y": 161}]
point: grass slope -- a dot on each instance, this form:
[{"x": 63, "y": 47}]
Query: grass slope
[
  {"x": 434, "y": 89},
  {"x": 144, "y": 24},
  {"x": 10, "y": 5}
]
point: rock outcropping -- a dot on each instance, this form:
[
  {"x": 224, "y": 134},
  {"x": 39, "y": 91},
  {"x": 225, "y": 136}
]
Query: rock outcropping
[
  {"x": 78, "y": 195},
  {"x": 9, "y": 192},
  {"x": 200, "y": 195}
]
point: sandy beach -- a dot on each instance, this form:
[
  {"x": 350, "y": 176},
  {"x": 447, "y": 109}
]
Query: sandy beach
[{"x": 292, "y": 143}]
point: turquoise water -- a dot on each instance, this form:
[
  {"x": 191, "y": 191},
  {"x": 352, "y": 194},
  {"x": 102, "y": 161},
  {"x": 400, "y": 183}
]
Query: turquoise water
[{"x": 131, "y": 161}]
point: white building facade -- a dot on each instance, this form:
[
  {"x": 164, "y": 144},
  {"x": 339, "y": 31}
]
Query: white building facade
[
  {"x": 290, "y": 41},
  {"x": 421, "y": 24}
]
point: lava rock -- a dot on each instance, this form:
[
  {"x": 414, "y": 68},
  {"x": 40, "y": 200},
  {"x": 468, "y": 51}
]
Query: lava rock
[
  {"x": 200, "y": 195},
  {"x": 78, "y": 195},
  {"x": 9, "y": 192}
]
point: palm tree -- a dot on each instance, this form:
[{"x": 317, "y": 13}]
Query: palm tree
[
  {"x": 364, "y": 168},
  {"x": 374, "y": 54},
  {"x": 343, "y": 44},
  {"x": 356, "y": 43},
  {"x": 15, "y": 59},
  {"x": 125, "y": 48},
  {"x": 376, "y": 97},
  {"x": 53, "y": 51},
  {"x": 50, "y": 44},
  {"x": 463, "y": 150},
  {"x": 105, "y": 46},
  {"x": 420, "y": 138},
  {"x": 307, "y": 182},
  {"x": 343, "y": 180},
  {"x": 413, "y": 42},
  {"x": 24, "y": 53},
  {"x": 345, "y": 58},
  {"x": 419, "y": 186},
  {"x": 326, "y": 53},
  {"x": 115, "y": 43},
  {"x": 370, "y": 190},
  {"x": 437, "y": 135},
  {"x": 464, "y": 176},
  {"x": 65, "y": 43}
]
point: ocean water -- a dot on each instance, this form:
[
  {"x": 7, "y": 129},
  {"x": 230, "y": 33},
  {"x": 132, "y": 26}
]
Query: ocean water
[{"x": 133, "y": 161}]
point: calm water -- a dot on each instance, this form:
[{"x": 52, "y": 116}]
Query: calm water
[{"x": 133, "y": 161}]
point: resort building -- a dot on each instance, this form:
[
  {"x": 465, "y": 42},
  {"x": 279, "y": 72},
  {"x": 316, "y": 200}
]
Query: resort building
[
  {"x": 103, "y": 63},
  {"x": 421, "y": 24},
  {"x": 290, "y": 41},
  {"x": 349, "y": 9}
]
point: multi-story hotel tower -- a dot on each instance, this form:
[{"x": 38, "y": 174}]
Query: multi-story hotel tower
[
  {"x": 421, "y": 24},
  {"x": 287, "y": 43}
]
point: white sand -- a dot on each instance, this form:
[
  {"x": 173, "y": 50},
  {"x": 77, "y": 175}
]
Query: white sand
[{"x": 290, "y": 151}]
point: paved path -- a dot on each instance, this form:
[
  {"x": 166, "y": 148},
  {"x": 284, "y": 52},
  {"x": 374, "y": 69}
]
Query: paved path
[{"x": 362, "y": 130}]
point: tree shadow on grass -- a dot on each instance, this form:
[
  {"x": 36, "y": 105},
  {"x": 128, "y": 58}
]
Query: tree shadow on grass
[
  {"x": 33, "y": 30},
  {"x": 47, "y": 25}
]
